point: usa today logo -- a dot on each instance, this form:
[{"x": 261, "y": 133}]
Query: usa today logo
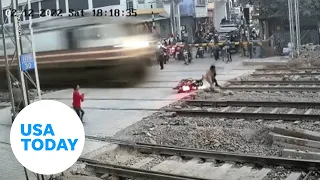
[{"x": 47, "y": 137}]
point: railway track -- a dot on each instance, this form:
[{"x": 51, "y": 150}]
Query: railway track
[
  {"x": 286, "y": 74},
  {"x": 283, "y": 68},
  {"x": 259, "y": 110},
  {"x": 150, "y": 161},
  {"x": 273, "y": 88},
  {"x": 274, "y": 82}
]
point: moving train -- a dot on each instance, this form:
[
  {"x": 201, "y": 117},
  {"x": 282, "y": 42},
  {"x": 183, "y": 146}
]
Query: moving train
[{"x": 86, "y": 50}]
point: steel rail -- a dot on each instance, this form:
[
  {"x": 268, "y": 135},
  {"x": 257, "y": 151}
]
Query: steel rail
[
  {"x": 121, "y": 109},
  {"x": 217, "y": 155},
  {"x": 128, "y": 172},
  {"x": 285, "y": 74},
  {"x": 283, "y": 89},
  {"x": 224, "y": 156},
  {"x": 115, "y": 99},
  {"x": 246, "y": 115},
  {"x": 253, "y": 104},
  {"x": 287, "y": 69},
  {"x": 275, "y": 82}
]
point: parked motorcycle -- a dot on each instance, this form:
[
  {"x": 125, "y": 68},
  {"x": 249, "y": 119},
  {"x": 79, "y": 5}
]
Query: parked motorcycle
[
  {"x": 165, "y": 57},
  {"x": 200, "y": 52}
]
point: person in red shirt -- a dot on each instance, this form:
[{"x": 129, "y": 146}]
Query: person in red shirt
[{"x": 77, "y": 99}]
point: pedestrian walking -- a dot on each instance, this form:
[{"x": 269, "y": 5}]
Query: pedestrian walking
[{"x": 77, "y": 100}]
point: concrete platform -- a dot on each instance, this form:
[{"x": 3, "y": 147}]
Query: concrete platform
[{"x": 107, "y": 122}]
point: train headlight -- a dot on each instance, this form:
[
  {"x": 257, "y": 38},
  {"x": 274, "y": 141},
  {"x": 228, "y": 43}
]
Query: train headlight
[{"x": 137, "y": 44}]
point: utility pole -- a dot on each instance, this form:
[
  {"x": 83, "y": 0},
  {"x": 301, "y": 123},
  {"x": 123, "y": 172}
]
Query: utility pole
[
  {"x": 291, "y": 25},
  {"x": 153, "y": 21},
  {"x": 294, "y": 23},
  {"x": 26, "y": 62},
  {"x": 297, "y": 16}
]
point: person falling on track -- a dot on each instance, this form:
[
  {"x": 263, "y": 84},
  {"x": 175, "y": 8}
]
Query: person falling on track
[
  {"x": 210, "y": 77},
  {"x": 77, "y": 99}
]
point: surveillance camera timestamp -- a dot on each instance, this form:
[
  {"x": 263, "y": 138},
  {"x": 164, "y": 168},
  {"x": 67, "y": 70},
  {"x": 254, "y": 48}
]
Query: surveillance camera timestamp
[{"x": 114, "y": 12}]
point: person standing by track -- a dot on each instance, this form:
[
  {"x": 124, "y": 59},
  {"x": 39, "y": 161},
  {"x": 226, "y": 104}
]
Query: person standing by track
[{"x": 77, "y": 99}]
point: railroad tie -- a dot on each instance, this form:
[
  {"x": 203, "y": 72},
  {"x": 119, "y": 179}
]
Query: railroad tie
[
  {"x": 274, "y": 111},
  {"x": 308, "y": 111},
  {"x": 219, "y": 172},
  {"x": 257, "y": 110},
  {"x": 239, "y": 173},
  {"x": 294, "y": 176},
  {"x": 195, "y": 168},
  {"x": 167, "y": 166},
  {"x": 258, "y": 175},
  {"x": 142, "y": 163},
  {"x": 292, "y": 110},
  {"x": 225, "y": 109},
  {"x": 187, "y": 167},
  {"x": 239, "y": 111}
]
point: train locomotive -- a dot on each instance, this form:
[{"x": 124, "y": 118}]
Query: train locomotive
[{"x": 88, "y": 51}]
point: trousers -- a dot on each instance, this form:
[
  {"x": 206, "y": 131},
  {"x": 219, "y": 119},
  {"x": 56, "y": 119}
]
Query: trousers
[{"x": 79, "y": 112}]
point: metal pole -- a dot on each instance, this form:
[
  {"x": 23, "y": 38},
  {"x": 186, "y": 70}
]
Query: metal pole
[
  {"x": 291, "y": 27},
  {"x": 26, "y": 173},
  {"x": 6, "y": 59},
  {"x": 34, "y": 54},
  {"x": 174, "y": 17},
  {"x": 297, "y": 16},
  {"x": 17, "y": 29},
  {"x": 171, "y": 18},
  {"x": 153, "y": 22}
]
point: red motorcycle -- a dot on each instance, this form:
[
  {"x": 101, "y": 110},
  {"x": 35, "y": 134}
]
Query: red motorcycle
[{"x": 187, "y": 85}]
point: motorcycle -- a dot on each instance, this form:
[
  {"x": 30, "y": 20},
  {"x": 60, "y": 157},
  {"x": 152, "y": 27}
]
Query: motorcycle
[
  {"x": 165, "y": 57},
  {"x": 200, "y": 53},
  {"x": 172, "y": 51},
  {"x": 187, "y": 85},
  {"x": 179, "y": 54}
]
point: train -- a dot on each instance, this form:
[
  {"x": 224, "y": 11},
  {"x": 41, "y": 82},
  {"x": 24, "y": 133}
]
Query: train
[{"x": 86, "y": 50}]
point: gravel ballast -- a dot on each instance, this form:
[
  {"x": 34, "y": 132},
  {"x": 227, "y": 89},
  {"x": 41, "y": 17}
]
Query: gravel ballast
[{"x": 222, "y": 134}]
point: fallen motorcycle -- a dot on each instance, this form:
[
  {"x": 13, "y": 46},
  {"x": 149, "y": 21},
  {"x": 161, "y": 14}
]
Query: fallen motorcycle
[{"x": 187, "y": 85}]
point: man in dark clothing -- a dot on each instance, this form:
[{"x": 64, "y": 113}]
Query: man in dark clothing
[
  {"x": 216, "y": 50},
  {"x": 77, "y": 99},
  {"x": 159, "y": 55}
]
